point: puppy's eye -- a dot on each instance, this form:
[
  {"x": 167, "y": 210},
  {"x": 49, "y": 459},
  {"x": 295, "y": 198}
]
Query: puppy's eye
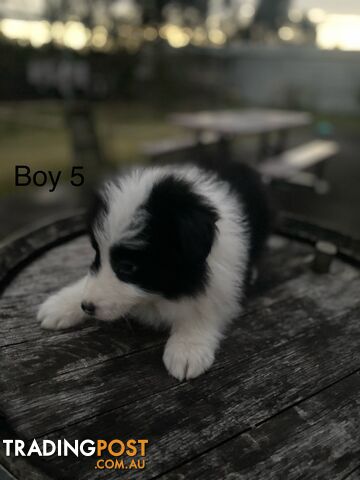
[
  {"x": 125, "y": 263},
  {"x": 95, "y": 266},
  {"x": 127, "y": 268}
]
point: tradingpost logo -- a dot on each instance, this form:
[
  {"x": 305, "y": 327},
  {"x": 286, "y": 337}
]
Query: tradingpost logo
[{"x": 115, "y": 454}]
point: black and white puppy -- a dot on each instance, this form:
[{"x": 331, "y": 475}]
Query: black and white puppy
[{"x": 173, "y": 245}]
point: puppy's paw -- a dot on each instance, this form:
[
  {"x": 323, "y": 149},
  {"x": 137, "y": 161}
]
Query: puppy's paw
[
  {"x": 60, "y": 311},
  {"x": 185, "y": 359}
]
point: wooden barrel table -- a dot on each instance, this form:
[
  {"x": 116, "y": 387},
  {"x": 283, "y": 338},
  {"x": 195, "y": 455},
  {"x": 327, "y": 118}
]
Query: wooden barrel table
[{"x": 282, "y": 400}]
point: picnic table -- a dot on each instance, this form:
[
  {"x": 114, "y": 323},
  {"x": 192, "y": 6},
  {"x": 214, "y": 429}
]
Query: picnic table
[
  {"x": 280, "y": 402},
  {"x": 228, "y": 124}
]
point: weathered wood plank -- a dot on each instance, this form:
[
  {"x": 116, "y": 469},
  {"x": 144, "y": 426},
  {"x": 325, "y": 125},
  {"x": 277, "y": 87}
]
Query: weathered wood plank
[
  {"x": 191, "y": 417},
  {"x": 298, "y": 227},
  {"x": 17, "y": 250},
  {"x": 299, "y": 334},
  {"x": 354, "y": 475},
  {"x": 15, "y": 468},
  {"x": 5, "y": 474},
  {"x": 320, "y": 438},
  {"x": 20, "y": 301}
]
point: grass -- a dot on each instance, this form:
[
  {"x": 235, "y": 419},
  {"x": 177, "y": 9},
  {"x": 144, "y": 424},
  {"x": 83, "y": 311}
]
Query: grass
[
  {"x": 34, "y": 133},
  {"x": 39, "y": 148}
]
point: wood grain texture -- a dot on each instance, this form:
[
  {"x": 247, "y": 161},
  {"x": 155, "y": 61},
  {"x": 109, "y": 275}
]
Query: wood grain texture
[
  {"x": 354, "y": 475},
  {"x": 300, "y": 228},
  {"x": 319, "y": 438},
  {"x": 18, "y": 249},
  {"x": 295, "y": 349}
]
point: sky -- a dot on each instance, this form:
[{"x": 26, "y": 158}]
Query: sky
[{"x": 330, "y": 6}]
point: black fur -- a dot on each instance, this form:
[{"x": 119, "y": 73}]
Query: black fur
[
  {"x": 97, "y": 211},
  {"x": 247, "y": 185},
  {"x": 179, "y": 233}
]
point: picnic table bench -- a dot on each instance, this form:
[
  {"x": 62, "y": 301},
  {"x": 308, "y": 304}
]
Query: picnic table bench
[
  {"x": 280, "y": 402},
  {"x": 276, "y": 160},
  {"x": 291, "y": 164}
]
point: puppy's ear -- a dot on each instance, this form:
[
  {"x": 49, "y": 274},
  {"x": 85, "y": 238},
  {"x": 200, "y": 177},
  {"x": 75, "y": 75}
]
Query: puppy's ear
[
  {"x": 187, "y": 221},
  {"x": 196, "y": 230}
]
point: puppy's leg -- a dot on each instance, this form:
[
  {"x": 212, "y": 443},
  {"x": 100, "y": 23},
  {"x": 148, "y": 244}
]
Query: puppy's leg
[
  {"x": 63, "y": 309},
  {"x": 190, "y": 350}
]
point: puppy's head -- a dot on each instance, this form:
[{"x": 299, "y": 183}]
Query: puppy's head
[{"x": 151, "y": 238}]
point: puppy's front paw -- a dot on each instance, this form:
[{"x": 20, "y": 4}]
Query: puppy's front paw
[
  {"x": 60, "y": 311},
  {"x": 185, "y": 359}
]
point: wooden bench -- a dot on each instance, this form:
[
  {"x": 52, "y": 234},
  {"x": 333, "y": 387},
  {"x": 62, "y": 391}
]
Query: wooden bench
[
  {"x": 281, "y": 400},
  {"x": 290, "y": 165}
]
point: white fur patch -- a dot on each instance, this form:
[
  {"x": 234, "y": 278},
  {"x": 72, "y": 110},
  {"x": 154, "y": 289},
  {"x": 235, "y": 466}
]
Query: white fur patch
[{"x": 63, "y": 310}]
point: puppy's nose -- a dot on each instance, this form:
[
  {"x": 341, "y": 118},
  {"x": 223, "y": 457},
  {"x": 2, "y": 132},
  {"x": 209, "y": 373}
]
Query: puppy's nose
[{"x": 88, "y": 307}]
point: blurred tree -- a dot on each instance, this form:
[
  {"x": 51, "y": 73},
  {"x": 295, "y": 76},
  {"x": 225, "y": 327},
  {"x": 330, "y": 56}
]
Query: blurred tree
[
  {"x": 153, "y": 10},
  {"x": 271, "y": 14}
]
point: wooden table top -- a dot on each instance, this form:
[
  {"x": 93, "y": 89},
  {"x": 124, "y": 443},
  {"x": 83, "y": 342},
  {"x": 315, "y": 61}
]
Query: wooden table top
[
  {"x": 280, "y": 402},
  {"x": 241, "y": 122}
]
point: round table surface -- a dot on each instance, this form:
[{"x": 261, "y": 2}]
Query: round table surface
[
  {"x": 281, "y": 400},
  {"x": 242, "y": 122}
]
